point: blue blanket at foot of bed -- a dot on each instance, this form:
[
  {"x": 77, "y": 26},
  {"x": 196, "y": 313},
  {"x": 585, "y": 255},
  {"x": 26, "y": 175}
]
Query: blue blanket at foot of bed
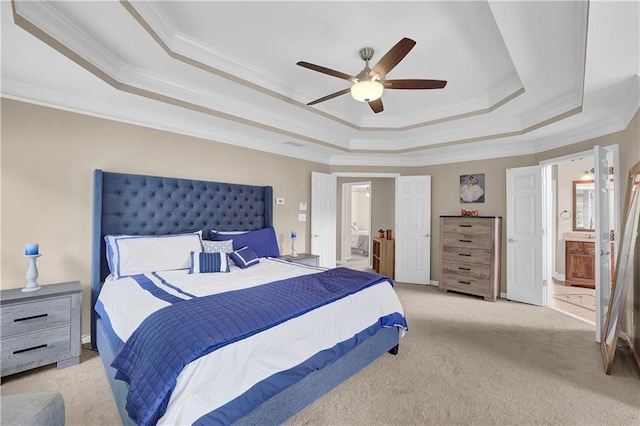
[{"x": 172, "y": 337}]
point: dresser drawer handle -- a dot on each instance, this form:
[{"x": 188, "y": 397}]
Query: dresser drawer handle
[
  {"x": 30, "y": 318},
  {"x": 464, "y": 254},
  {"x": 465, "y": 226},
  {"x": 465, "y": 241},
  {"x": 29, "y": 349},
  {"x": 464, "y": 282},
  {"x": 464, "y": 269}
]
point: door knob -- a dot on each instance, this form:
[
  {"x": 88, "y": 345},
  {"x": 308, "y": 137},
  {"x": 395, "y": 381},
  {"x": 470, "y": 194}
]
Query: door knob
[
  {"x": 426, "y": 235},
  {"x": 604, "y": 253},
  {"x": 315, "y": 235},
  {"x": 511, "y": 240}
]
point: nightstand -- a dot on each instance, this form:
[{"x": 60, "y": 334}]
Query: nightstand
[
  {"x": 40, "y": 327},
  {"x": 303, "y": 258}
]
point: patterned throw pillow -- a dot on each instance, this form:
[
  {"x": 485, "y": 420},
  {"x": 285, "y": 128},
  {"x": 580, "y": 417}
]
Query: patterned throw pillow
[
  {"x": 217, "y": 246},
  {"x": 244, "y": 257},
  {"x": 202, "y": 263}
]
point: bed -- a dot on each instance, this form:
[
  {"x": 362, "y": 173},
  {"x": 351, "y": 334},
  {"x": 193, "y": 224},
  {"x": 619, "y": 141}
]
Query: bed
[
  {"x": 157, "y": 209},
  {"x": 359, "y": 240}
]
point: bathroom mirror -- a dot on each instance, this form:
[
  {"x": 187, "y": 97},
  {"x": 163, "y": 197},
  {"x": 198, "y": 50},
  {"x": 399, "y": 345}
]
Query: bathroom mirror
[
  {"x": 583, "y": 205},
  {"x": 623, "y": 269}
]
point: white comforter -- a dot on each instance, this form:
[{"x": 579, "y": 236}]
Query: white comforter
[{"x": 234, "y": 368}]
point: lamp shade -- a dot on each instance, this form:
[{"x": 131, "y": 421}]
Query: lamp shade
[{"x": 367, "y": 90}]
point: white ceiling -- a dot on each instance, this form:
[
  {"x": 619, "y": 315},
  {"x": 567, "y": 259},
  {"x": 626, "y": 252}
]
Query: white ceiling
[{"x": 523, "y": 77}]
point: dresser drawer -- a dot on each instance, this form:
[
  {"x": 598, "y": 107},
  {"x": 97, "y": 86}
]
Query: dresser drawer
[
  {"x": 462, "y": 270},
  {"x": 36, "y": 348},
  {"x": 35, "y": 315},
  {"x": 464, "y": 284},
  {"x": 466, "y": 226},
  {"x": 466, "y": 254},
  {"x": 471, "y": 241}
]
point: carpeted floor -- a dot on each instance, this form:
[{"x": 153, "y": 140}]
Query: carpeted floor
[{"x": 464, "y": 361}]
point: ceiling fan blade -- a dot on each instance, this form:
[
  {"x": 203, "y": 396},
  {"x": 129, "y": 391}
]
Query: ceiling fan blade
[
  {"x": 392, "y": 58},
  {"x": 414, "y": 84},
  {"x": 331, "y": 96},
  {"x": 328, "y": 71},
  {"x": 376, "y": 105}
]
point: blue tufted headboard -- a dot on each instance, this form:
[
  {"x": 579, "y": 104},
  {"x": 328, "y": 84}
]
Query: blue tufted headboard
[{"x": 151, "y": 205}]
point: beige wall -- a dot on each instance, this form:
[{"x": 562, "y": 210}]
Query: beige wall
[{"x": 48, "y": 157}]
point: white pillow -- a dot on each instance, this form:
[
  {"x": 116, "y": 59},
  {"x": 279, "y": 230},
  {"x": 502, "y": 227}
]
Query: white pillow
[{"x": 138, "y": 254}]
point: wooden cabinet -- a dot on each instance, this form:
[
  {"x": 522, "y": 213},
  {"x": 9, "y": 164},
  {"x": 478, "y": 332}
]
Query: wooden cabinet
[
  {"x": 303, "y": 258},
  {"x": 40, "y": 327},
  {"x": 470, "y": 255},
  {"x": 383, "y": 256},
  {"x": 580, "y": 263}
]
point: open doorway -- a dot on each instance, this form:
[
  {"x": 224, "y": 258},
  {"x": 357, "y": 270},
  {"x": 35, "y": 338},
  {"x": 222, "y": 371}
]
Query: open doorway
[
  {"x": 571, "y": 245},
  {"x": 573, "y": 283},
  {"x": 356, "y": 241}
]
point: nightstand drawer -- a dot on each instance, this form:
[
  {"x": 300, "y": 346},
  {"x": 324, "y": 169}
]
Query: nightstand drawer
[
  {"x": 38, "y": 315},
  {"x": 37, "y": 348}
]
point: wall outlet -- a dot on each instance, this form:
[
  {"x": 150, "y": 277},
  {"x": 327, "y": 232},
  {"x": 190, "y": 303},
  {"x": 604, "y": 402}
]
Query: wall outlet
[
  {"x": 302, "y": 206},
  {"x": 302, "y": 217}
]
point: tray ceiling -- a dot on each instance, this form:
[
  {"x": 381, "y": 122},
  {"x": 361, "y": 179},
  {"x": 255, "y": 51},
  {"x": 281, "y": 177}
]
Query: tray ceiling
[{"x": 523, "y": 77}]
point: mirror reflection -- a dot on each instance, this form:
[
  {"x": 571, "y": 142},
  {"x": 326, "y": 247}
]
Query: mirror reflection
[
  {"x": 623, "y": 270},
  {"x": 583, "y": 205}
]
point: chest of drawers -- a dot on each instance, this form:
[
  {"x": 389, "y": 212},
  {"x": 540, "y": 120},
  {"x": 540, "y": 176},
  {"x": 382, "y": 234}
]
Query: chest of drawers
[
  {"x": 41, "y": 327},
  {"x": 470, "y": 255}
]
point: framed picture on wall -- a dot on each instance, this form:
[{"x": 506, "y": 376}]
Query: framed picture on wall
[{"x": 472, "y": 188}]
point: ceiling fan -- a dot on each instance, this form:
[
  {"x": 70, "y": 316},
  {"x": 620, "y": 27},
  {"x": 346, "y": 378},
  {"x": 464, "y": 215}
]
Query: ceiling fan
[{"x": 369, "y": 83}]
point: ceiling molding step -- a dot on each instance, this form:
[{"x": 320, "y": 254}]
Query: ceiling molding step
[
  {"x": 159, "y": 87},
  {"x": 49, "y": 20},
  {"x": 555, "y": 107},
  {"x": 155, "y": 18},
  {"x": 194, "y": 50}
]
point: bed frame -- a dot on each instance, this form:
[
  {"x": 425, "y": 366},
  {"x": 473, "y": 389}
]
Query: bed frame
[{"x": 151, "y": 205}]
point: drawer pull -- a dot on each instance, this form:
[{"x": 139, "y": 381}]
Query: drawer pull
[
  {"x": 29, "y": 349},
  {"x": 465, "y": 241},
  {"x": 465, "y": 226},
  {"x": 464, "y": 282},
  {"x": 464, "y": 254},
  {"x": 30, "y": 318},
  {"x": 464, "y": 269}
]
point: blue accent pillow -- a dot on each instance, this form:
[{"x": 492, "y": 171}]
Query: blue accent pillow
[
  {"x": 202, "y": 263},
  {"x": 244, "y": 257},
  {"x": 262, "y": 241}
]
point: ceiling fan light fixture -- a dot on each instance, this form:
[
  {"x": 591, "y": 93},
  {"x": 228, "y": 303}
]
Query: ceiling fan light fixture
[{"x": 367, "y": 90}]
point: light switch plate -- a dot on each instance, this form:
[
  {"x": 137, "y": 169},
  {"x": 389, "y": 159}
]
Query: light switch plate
[
  {"x": 280, "y": 201},
  {"x": 302, "y": 206}
]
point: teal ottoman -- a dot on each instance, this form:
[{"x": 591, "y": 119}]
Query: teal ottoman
[{"x": 40, "y": 408}]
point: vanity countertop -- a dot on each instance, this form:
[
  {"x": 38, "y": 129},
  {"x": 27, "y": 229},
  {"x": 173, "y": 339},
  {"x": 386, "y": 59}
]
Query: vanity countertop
[{"x": 579, "y": 236}]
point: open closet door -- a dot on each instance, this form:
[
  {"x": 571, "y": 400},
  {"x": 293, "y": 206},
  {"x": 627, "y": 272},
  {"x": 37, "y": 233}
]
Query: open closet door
[
  {"x": 603, "y": 226},
  {"x": 524, "y": 235},
  {"x": 323, "y": 218}
]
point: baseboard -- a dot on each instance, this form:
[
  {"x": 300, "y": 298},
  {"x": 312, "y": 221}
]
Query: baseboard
[
  {"x": 558, "y": 277},
  {"x": 433, "y": 283},
  {"x": 503, "y": 295}
]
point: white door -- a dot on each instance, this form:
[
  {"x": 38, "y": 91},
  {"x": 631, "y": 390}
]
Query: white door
[
  {"x": 413, "y": 229},
  {"x": 323, "y": 218},
  {"x": 524, "y": 235},
  {"x": 603, "y": 227}
]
